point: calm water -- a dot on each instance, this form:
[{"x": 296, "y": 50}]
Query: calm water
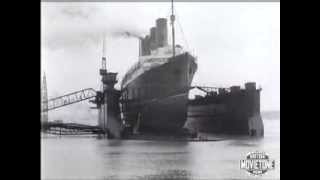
[{"x": 91, "y": 158}]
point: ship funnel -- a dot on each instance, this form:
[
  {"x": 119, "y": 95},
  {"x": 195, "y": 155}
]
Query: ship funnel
[
  {"x": 144, "y": 46},
  {"x": 153, "y": 42},
  {"x": 140, "y": 47},
  {"x": 158, "y": 37},
  {"x": 161, "y": 32}
]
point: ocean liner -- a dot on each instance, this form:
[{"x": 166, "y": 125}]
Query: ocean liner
[{"x": 155, "y": 89}]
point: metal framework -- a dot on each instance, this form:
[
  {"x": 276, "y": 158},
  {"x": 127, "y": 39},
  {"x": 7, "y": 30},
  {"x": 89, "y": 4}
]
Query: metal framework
[
  {"x": 207, "y": 89},
  {"x": 68, "y": 99},
  {"x": 71, "y": 129},
  {"x": 44, "y": 99}
]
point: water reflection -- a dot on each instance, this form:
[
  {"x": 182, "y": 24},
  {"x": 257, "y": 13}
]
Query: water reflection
[
  {"x": 246, "y": 142},
  {"x": 91, "y": 158},
  {"x": 169, "y": 174},
  {"x": 144, "y": 159}
]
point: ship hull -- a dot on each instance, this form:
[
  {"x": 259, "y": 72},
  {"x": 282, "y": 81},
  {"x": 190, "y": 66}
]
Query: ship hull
[{"x": 156, "y": 101}]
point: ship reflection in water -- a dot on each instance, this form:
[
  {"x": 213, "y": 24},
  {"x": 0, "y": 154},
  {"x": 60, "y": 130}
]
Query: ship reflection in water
[{"x": 92, "y": 158}]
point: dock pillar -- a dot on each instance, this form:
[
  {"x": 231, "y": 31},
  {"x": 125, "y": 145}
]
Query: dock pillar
[
  {"x": 109, "y": 111},
  {"x": 255, "y": 123}
]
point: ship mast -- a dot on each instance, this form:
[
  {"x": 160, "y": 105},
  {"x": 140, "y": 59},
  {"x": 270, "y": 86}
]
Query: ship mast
[
  {"x": 172, "y": 18},
  {"x": 103, "y": 73},
  {"x": 104, "y": 59}
]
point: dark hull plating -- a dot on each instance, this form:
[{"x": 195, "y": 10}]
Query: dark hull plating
[{"x": 156, "y": 101}]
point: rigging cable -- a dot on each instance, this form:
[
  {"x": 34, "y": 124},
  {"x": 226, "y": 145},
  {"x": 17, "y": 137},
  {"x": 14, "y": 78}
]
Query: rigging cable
[{"x": 180, "y": 27}]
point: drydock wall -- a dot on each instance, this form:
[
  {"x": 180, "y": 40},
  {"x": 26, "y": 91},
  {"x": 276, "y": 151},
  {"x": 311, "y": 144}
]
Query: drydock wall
[{"x": 234, "y": 112}]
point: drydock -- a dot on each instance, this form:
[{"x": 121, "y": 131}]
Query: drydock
[
  {"x": 233, "y": 110},
  {"x": 153, "y": 100}
]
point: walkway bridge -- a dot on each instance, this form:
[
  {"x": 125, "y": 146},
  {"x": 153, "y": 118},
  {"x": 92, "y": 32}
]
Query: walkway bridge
[
  {"x": 61, "y": 128},
  {"x": 68, "y": 99}
]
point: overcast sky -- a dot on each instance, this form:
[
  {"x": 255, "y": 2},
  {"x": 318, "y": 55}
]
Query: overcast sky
[{"x": 234, "y": 42}]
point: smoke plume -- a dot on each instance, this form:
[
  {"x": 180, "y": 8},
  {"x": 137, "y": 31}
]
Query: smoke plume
[{"x": 127, "y": 34}]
